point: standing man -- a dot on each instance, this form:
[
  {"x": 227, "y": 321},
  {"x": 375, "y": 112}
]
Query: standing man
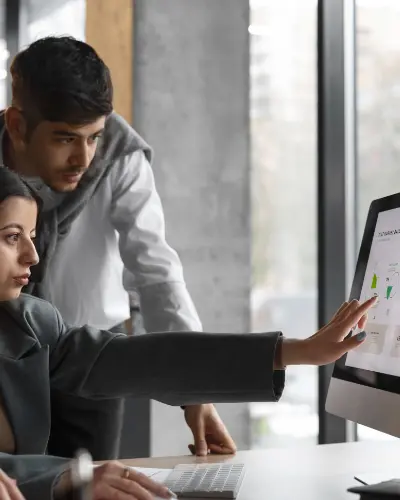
[{"x": 101, "y": 231}]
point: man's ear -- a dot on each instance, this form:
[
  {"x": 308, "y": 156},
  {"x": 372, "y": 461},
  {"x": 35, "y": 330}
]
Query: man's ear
[{"x": 16, "y": 127}]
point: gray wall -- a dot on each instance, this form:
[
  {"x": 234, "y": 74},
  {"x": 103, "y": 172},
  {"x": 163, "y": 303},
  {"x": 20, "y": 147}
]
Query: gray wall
[{"x": 191, "y": 77}]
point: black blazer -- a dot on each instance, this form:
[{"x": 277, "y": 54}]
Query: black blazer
[{"x": 39, "y": 354}]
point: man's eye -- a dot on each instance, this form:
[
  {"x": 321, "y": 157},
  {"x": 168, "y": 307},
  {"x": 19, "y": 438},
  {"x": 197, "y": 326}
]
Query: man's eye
[{"x": 95, "y": 138}]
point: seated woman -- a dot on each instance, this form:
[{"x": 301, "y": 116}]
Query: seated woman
[{"x": 38, "y": 352}]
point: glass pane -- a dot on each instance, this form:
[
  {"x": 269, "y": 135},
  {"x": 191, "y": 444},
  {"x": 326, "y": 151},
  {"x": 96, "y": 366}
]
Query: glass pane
[
  {"x": 4, "y": 58},
  {"x": 283, "y": 134},
  {"x": 378, "y": 102}
]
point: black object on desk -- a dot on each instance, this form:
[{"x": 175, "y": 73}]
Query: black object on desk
[{"x": 387, "y": 490}]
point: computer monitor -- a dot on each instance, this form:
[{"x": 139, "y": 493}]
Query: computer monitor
[{"x": 365, "y": 384}]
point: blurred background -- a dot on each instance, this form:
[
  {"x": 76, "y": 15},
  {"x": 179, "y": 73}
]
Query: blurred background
[{"x": 227, "y": 93}]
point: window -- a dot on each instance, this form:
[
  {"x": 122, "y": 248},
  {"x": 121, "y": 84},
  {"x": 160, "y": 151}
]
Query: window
[
  {"x": 283, "y": 132},
  {"x": 378, "y": 116},
  {"x": 4, "y": 58},
  {"x": 55, "y": 17}
]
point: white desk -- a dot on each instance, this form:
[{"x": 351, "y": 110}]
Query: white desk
[{"x": 306, "y": 473}]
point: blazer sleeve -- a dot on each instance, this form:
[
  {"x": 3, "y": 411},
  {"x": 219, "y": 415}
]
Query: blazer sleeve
[
  {"x": 175, "y": 367},
  {"x": 36, "y": 475}
]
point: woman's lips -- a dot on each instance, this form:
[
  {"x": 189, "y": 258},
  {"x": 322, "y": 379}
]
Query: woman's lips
[{"x": 22, "y": 280}]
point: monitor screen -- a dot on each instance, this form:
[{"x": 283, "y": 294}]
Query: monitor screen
[
  {"x": 365, "y": 384},
  {"x": 380, "y": 352}
]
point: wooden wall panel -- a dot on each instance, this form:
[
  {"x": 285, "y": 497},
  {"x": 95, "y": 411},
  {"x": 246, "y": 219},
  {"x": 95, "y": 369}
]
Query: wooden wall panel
[{"x": 109, "y": 29}]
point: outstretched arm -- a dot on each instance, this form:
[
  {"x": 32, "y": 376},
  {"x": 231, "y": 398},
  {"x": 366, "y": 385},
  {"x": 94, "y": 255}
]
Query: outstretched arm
[
  {"x": 164, "y": 366},
  {"x": 241, "y": 367}
]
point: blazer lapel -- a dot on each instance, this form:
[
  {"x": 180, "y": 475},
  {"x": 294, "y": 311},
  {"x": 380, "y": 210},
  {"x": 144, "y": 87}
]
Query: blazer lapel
[{"x": 25, "y": 388}]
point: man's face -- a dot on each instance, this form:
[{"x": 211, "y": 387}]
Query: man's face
[{"x": 60, "y": 153}]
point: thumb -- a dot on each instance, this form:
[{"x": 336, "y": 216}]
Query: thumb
[
  {"x": 352, "y": 342},
  {"x": 199, "y": 435}
]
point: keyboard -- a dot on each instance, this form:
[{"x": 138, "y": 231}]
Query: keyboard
[{"x": 206, "y": 480}]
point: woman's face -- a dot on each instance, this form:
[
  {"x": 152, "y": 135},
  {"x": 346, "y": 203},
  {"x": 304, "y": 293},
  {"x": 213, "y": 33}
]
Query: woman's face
[{"x": 17, "y": 250}]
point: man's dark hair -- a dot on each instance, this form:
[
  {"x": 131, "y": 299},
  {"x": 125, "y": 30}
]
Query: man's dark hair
[{"x": 61, "y": 79}]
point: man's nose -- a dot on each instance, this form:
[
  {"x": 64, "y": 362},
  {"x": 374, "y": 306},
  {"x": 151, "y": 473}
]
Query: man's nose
[{"x": 82, "y": 157}]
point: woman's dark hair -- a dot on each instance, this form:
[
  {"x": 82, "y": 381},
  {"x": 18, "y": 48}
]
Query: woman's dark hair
[
  {"x": 61, "y": 79},
  {"x": 12, "y": 185}
]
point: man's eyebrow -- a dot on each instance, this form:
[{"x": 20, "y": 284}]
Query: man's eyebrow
[{"x": 69, "y": 133}]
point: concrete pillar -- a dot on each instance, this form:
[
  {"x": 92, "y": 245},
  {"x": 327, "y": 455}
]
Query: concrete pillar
[{"x": 191, "y": 86}]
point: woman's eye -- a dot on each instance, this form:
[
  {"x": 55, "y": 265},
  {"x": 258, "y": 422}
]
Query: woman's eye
[{"x": 13, "y": 238}]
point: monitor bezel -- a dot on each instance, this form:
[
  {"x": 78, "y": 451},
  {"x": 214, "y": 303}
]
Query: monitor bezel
[{"x": 382, "y": 381}]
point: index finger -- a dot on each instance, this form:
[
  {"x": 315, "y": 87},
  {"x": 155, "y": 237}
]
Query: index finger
[
  {"x": 4, "y": 495},
  {"x": 354, "y": 317}
]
